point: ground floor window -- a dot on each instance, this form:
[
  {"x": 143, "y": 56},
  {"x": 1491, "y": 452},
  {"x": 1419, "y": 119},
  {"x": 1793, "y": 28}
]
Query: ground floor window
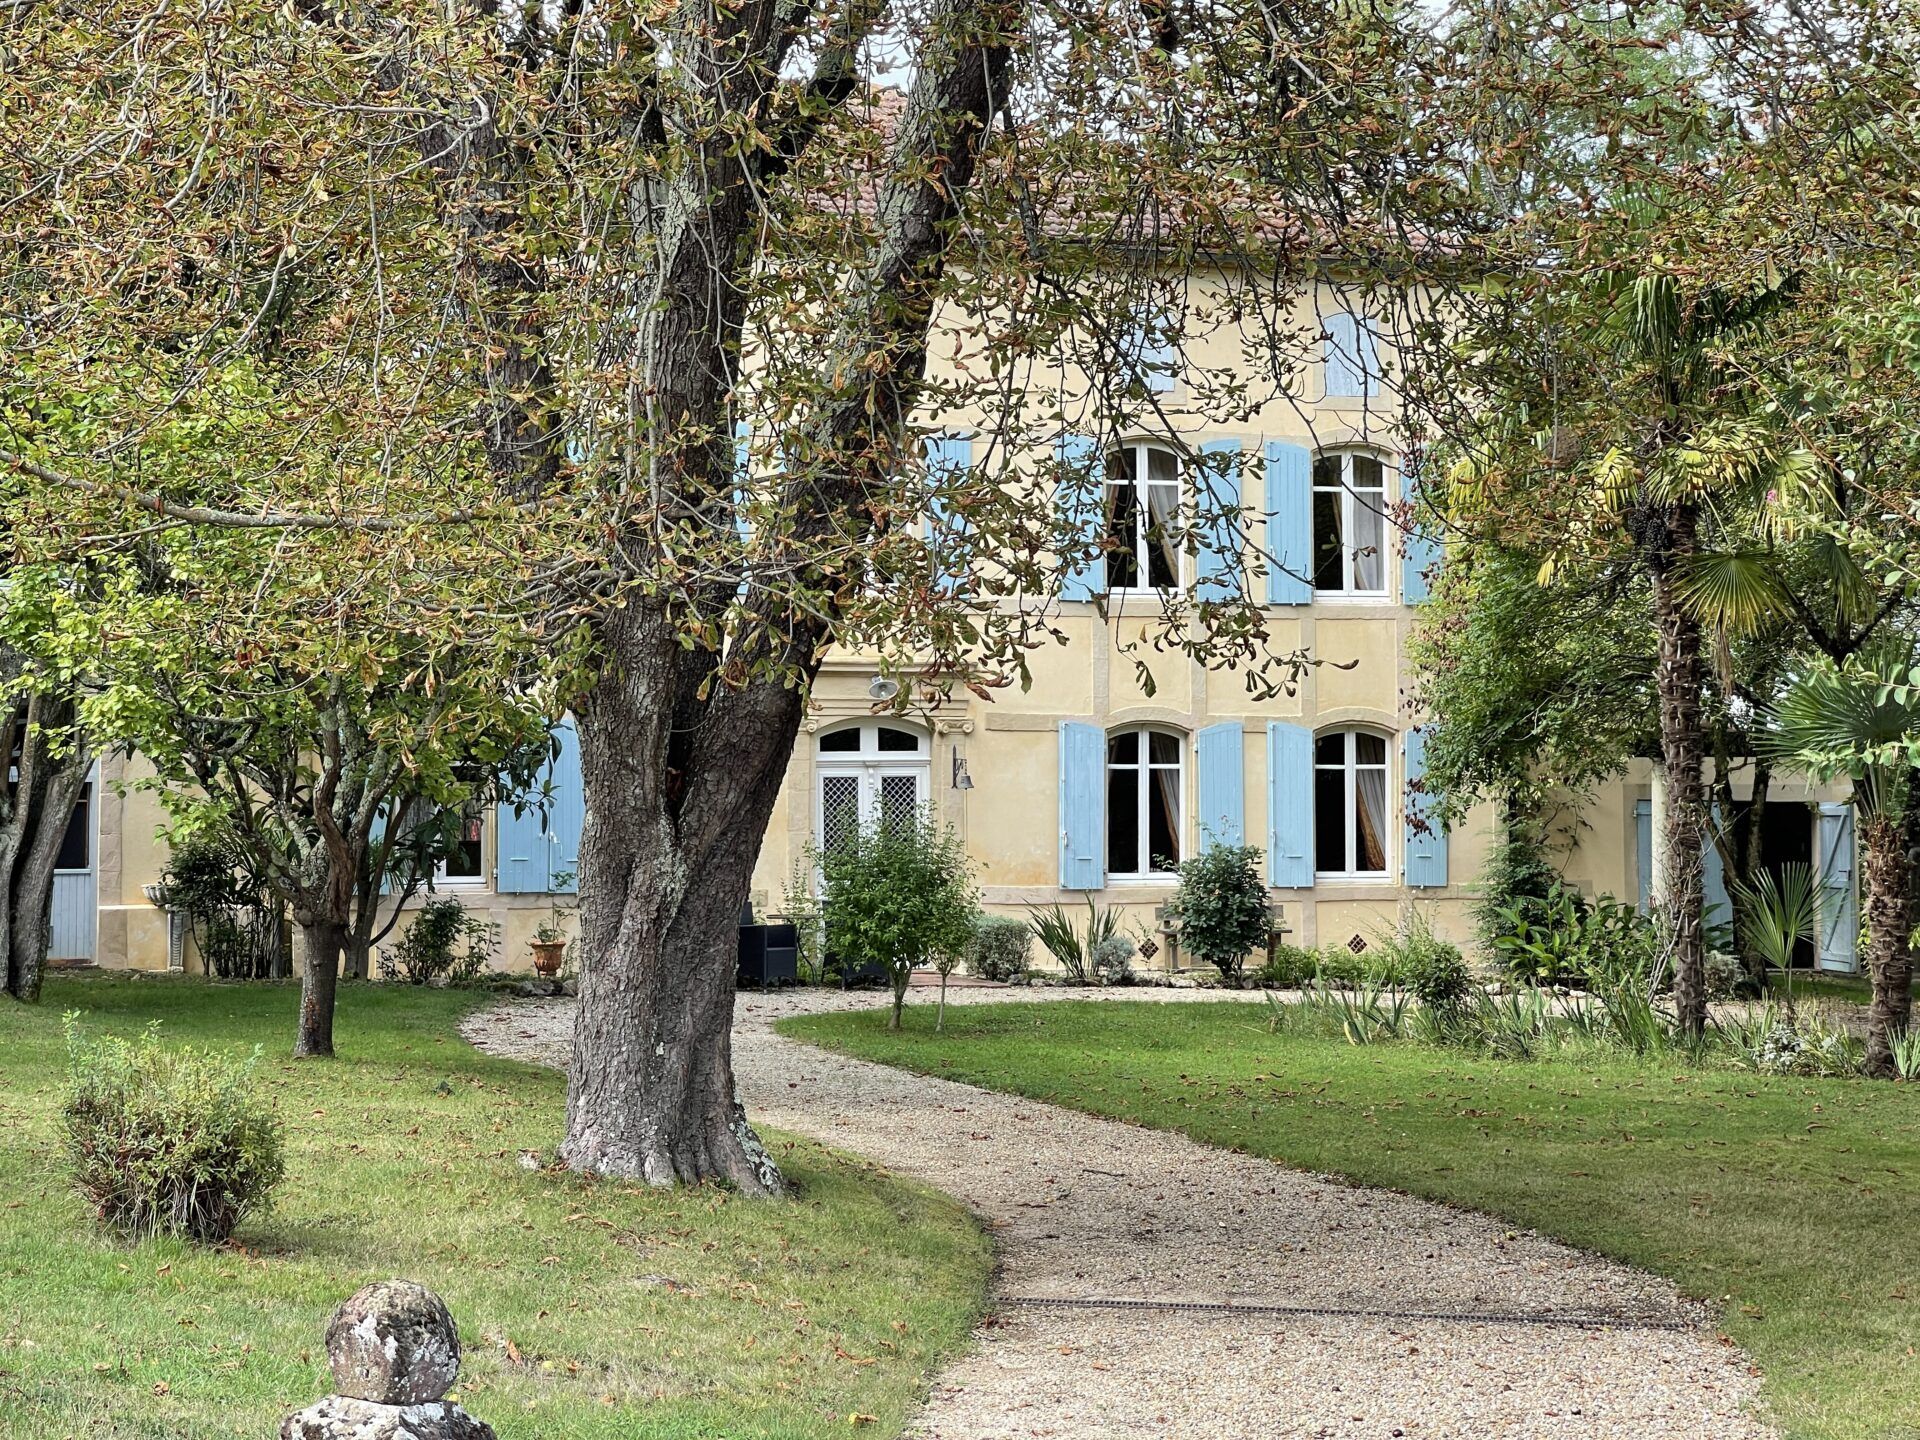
[
  {"x": 867, "y": 774},
  {"x": 1144, "y": 773},
  {"x": 1350, "y": 803}
]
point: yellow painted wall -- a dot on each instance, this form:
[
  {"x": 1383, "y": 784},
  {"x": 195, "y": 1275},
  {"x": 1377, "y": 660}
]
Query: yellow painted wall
[{"x": 1009, "y": 818}]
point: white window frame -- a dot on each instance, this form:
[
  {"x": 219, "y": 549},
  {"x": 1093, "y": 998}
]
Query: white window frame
[
  {"x": 1351, "y": 507},
  {"x": 478, "y": 881},
  {"x": 1143, "y": 514},
  {"x": 869, "y": 767},
  {"x": 1143, "y": 801},
  {"x": 1350, "y": 768}
]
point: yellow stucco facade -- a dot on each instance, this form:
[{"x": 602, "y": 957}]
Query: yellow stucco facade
[{"x": 992, "y": 770}]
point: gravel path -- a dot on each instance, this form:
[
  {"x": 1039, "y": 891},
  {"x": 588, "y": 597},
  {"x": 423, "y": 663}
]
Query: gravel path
[{"x": 1370, "y": 1291}]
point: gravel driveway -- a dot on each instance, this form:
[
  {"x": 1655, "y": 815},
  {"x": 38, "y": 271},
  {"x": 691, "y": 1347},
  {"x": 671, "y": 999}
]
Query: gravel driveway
[{"x": 1384, "y": 1316}]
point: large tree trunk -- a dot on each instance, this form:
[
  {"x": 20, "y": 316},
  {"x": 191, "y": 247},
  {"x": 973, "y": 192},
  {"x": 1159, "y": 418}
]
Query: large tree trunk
[
  {"x": 1888, "y": 886},
  {"x": 673, "y": 827},
  {"x": 1682, "y": 748},
  {"x": 324, "y": 939},
  {"x": 44, "y": 790}
]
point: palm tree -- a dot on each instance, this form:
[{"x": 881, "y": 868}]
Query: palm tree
[
  {"x": 1667, "y": 459},
  {"x": 1859, "y": 719}
]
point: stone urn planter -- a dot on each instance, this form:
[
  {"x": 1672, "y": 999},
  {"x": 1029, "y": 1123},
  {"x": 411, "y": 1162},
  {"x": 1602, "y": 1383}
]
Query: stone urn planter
[{"x": 548, "y": 956}]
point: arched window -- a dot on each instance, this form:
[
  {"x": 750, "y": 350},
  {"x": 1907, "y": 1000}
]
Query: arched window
[
  {"x": 1350, "y": 803},
  {"x": 1146, "y": 772},
  {"x": 1143, "y": 510},
  {"x": 865, "y": 773},
  {"x": 1349, "y": 523}
]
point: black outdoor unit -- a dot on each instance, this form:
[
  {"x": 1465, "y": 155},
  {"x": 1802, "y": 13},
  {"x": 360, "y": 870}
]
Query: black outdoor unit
[{"x": 769, "y": 955}]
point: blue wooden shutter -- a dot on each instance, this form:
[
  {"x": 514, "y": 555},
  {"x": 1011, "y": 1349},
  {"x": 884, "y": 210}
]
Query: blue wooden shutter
[
  {"x": 1220, "y": 575},
  {"x": 1340, "y": 356},
  {"x": 1426, "y": 848},
  {"x": 1289, "y": 507},
  {"x": 541, "y": 840},
  {"x": 948, "y": 456},
  {"x": 1839, "y": 925},
  {"x": 1715, "y": 907},
  {"x": 1643, "y": 851},
  {"x": 566, "y": 811},
  {"x": 1082, "y": 501},
  {"x": 1217, "y": 753},
  {"x": 1083, "y": 806},
  {"x": 1289, "y": 805},
  {"x": 520, "y": 848},
  {"x": 1419, "y": 551}
]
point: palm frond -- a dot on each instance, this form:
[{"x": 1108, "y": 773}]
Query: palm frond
[
  {"x": 1853, "y": 721},
  {"x": 1734, "y": 592}
]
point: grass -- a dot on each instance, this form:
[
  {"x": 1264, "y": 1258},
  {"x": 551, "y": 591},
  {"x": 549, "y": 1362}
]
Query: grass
[
  {"x": 1793, "y": 1204},
  {"x": 822, "y": 1315}
]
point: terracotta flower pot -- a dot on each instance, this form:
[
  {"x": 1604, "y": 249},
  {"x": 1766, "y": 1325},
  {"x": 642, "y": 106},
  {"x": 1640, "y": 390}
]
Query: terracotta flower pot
[{"x": 547, "y": 956}]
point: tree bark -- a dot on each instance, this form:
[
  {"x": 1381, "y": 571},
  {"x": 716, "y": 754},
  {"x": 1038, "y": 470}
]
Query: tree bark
[
  {"x": 1888, "y": 887},
  {"x": 325, "y": 937},
  {"x": 43, "y": 791},
  {"x": 1677, "y": 678},
  {"x": 674, "y": 822}
]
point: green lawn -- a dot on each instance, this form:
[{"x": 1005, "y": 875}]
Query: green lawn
[
  {"x": 818, "y": 1316},
  {"x": 1795, "y": 1204}
]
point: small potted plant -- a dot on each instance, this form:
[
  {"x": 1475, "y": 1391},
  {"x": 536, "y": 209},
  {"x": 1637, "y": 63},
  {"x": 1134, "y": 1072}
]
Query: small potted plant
[{"x": 550, "y": 935}]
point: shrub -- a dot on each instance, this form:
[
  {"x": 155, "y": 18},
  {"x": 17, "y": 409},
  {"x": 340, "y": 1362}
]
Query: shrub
[
  {"x": 1113, "y": 960},
  {"x": 1517, "y": 876},
  {"x": 898, "y": 895},
  {"x": 1221, "y": 907},
  {"x": 1288, "y": 967},
  {"x": 167, "y": 1141},
  {"x": 1566, "y": 939},
  {"x": 1055, "y": 931},
  {"x": 999, "y": 947},
  {"x": 1439, "y": 976},
  {"x": 443, "y": 942}
]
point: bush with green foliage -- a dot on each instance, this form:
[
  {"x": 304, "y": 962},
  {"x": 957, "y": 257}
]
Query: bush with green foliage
[
  {"x": 1287, "y": 967},
  {"x": 443, "y": 942},
  {"x": 999, "y": 947},
  {"x": 1567, "y": 939},
  {"x": 1221, "y": 907},
  {"x": 166, "y": 1141},
  {"x": 1432, "y": 969},
  {"x": 210, "y": 881},
  {"x": 897, "y": 895},
  {"x": 1517, "y": 877}
]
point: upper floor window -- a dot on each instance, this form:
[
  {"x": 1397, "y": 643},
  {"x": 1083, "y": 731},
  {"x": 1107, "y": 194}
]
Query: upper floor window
[
  {"x": 1350, "y": 803},
  {"x": 1349, "y": 523},
  {"x": 1350, "y": 356},
  {"x": 1143, "y": 508},
  {"x": 1145, "y": 771}
]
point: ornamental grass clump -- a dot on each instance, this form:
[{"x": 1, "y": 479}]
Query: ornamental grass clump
[{"x": 167, "y": 1141}]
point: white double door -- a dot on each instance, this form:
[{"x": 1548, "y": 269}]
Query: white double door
[{"x": 848, "y": 796}]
